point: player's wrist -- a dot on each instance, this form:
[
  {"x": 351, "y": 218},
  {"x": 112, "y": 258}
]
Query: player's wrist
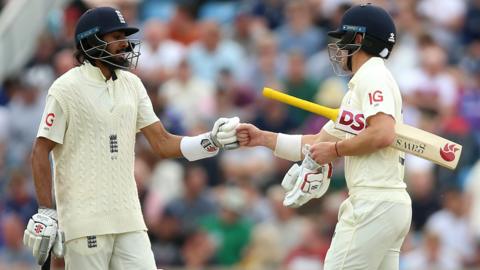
[
  {"x": 52, "y": 213},
  {"x": 336, "y": 149},
  {"x": 268, "y": 139}
]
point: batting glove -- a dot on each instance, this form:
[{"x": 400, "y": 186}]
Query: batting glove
[
  {"x": 42, "y": 234},
  {"x": 224, "y": 134},
  {"x": 306, "y": 182}
]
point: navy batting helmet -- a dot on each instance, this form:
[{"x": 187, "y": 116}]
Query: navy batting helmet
[
  {"x": 372, "y": 21},
  {"x": 378, "y": 32},
  {"x": 97, "y": 22}
]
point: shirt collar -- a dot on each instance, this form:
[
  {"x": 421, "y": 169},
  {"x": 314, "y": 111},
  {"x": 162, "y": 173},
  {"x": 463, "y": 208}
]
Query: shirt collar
[
  {"x": 92, "y": 72},
  {"x": 365, "y": 71}
]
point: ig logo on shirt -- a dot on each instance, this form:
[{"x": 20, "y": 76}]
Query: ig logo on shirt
[{"x": 375, "y": 97}]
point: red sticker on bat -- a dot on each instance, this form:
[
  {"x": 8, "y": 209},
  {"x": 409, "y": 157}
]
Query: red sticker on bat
[{"x": 448, "y": 152}]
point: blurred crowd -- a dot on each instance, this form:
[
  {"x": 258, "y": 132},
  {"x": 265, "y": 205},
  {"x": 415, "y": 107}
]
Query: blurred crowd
[{"x": 204, "y": 59}]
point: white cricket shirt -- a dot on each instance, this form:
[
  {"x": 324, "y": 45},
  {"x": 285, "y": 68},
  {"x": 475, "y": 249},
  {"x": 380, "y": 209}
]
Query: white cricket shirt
[
  {"x": 373, "y": 90},
  {"x": 94, "y": 121}
]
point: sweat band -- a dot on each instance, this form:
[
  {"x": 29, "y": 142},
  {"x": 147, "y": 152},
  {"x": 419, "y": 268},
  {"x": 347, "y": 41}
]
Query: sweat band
[{"x": 289, "y": 147}]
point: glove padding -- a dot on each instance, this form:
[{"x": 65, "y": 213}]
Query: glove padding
[
  {"x": 306, "y": 182},
  {"x": 224, "y": 134},
  {"x": 42, "y": 234}
]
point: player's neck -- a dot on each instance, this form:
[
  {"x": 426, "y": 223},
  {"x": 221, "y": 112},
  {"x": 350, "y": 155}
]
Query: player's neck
[
  {"x": 358, "y": 60},
  {"x": 107, "y": 73}
]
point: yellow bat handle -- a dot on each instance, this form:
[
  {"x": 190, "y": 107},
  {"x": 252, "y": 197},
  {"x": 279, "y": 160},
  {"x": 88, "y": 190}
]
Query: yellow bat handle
[{"x": 300, "y": 103}]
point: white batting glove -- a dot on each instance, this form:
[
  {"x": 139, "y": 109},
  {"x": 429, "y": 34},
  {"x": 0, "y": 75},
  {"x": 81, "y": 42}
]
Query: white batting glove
[
  {"x": 59, "y": 245},
  {"x": 306, "y": 182},
  {"x": 290, "y": 178},
  {"x": 41, "y": 235},
  {"x": 224, "y": 134}
]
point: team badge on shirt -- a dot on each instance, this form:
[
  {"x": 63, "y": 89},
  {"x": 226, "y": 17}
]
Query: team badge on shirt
[
  {"x": 375, "y": 97},
  {"x": 113, "y": 146},
  {"x": 92, "y": 241},
  {"x": 49, "y": 120}
]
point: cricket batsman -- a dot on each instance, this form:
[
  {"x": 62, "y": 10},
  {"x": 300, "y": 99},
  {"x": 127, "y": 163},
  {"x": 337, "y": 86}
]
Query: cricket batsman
[
  {"x": 92, "y": 115},
  {"x": 374, "y": 220}
]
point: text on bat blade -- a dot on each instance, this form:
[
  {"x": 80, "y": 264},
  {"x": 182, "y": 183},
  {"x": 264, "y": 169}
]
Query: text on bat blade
[{"x": 412, "y": 146}]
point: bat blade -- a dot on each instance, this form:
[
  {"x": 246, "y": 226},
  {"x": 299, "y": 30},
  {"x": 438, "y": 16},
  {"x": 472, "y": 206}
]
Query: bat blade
[
  {"x": 408, "y": 139},
  {"x": 427, "y": 145}
]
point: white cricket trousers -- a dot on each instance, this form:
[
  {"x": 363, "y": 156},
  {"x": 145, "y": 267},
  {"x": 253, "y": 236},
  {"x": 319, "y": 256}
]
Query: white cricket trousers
[
  {"x": 125, "y": 251},
  {"x": 369, "y": 233}
]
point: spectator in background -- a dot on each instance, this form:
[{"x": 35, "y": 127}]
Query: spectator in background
[
  {"x": 266, "y": 66},
  {"x": 19, "y": 200},
  {"x": 4, "y": 135},
  {"x": 186, "y": 91},
  {"x": 431, "y": 255},
  {"x": 142, "y": 173},
  {"x": 424, "y": 196},
  {"x": 257, "y": 28},
  {"x": 183, "y": 27},
  {"x": 472, "y": 190},
  {"x": 247, "y": 30},
  {"x": 197, "y": 251},
  {"x": 160, "y": 55},
  {"x": 229, "y": 230},
  {"x": 318, "y": 65},
  {"x": 297, "y": 84},
  {"x": 40, "y": 71},
  {"x": 63, "y": 61},
  {"x": 430, "y": 86},
  {"x": 251, "y": 170},
  {"x": 195, "y": 203},
  {"x": 27, "y": 107},
  {"x": 273, "y": 239},
  {"x": 444, "y": 26},
  {"x": 471, "y": 31},
  {"x": 272, "y": 11},
  {"x": 274, "y": 116},
  {"x": 166, "y": 241},
  {"x": 212, "y": 53},
  {"x": 451, "y": 226},
  {"x": 470, "y": 97},
  {"x": 14, "y": 255},
  {"x": 311, "y": 252},
  {"x": 406, "y": 55},
  {"x": 298, "y": 32}
]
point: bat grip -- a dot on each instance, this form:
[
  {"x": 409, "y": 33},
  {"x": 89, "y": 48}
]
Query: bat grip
[{"x": 46, "y": 265}]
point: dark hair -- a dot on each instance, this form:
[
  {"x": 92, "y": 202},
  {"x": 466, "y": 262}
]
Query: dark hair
[{"x": 80, "y": 54}]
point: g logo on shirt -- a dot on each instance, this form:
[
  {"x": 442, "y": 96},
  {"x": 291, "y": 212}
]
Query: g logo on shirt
[
  {"x": 49, "y": 119},
  {"x": 376, "y": 96}
]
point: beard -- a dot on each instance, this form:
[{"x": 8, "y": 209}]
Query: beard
[{"x": 115, "y": 62}]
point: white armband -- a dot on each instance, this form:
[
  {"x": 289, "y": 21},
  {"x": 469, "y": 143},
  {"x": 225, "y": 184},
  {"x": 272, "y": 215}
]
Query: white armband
[
  {"x": 289, "y": 147},
  {"x": 198, "y": 147}
]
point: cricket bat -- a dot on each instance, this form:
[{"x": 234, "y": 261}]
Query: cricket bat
[{"x": 408, "y": 139}]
